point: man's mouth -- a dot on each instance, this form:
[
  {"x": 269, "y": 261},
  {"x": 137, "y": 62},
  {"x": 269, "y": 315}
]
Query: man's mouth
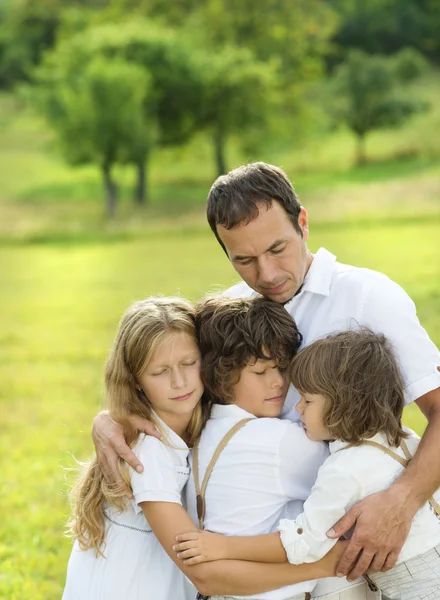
[{"x": 275, "y": 289}]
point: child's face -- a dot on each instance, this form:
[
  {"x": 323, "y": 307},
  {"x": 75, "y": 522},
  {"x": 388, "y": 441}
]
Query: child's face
[
  {"x": 171, "y": 380},
  {"x": 311, "y": 410},
  {"x": 261, "y": 389}
]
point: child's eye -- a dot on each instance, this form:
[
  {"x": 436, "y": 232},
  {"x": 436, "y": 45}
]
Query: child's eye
[
  {"x": 158, "y": 373},
  {"x": 190, "y": 364},
  {"x": 260, "y": 372}
]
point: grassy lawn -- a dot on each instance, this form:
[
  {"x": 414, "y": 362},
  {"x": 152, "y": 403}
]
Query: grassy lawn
[
  {"x": 59, "y": 306},
  {"x": 67, "y": 274}
]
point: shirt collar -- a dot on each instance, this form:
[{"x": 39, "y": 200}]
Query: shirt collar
[
  {"x": 379, "y": 438},
  {"x": 226, "y": 411},
  {"x": 320, "y": 273},
  {"x": 171, "y": 436}
]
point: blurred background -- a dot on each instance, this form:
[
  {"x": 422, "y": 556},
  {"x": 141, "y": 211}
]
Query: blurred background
[{"x": 115, "y": 118}]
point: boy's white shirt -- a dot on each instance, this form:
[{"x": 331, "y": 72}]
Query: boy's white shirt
[
  {"x": 265, "y": 473},
  {"x": 347, "y": 476}
]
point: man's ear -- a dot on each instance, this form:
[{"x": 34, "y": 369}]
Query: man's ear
[{"x": 303, "y": 222}]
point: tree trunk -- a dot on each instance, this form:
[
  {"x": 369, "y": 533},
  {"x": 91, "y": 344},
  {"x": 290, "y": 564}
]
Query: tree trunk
[
  {"x": 219, "y": 149},
  {"x": 361, "y": 157},
  {"x": 141, "y": 188},
  {"x": 110, "y": 189}
]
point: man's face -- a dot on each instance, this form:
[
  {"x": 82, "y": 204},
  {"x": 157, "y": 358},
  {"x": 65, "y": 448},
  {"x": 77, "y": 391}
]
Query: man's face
[{"x": 268, "y": 253}]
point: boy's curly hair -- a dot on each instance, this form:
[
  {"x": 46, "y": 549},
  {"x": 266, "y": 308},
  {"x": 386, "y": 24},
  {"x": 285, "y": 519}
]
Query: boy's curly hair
[{"x": 233, "y": 333}]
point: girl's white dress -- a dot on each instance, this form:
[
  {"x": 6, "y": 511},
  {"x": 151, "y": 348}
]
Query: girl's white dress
[{"x": 136, "y": 567}]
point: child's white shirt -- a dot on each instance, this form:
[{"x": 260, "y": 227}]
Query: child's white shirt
[
  {"x": 136, "y": 567},
  {"x": 347, "y": 476}
]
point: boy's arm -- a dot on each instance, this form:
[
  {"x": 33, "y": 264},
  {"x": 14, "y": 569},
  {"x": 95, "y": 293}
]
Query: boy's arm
[
  {"x": 168, "y": 520},
  {"x": 196, "y": 547}
]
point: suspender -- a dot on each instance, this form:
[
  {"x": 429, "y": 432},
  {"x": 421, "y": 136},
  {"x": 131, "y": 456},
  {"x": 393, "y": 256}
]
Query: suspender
[
  {"x": 404, "y": 462},
  {"x": 201, "y": 490}
]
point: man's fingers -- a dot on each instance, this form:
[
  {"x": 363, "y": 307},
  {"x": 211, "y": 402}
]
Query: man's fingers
[
  {"x": 390, "y": 561},
  {"x": 362, "y": 565},
  {"x": 128, "y": 455},
  {"x": 378, "y": 561},
  {"x": 348, "y": 559},
  {"x": 146, "y": 426},
  {"x": 343, "y": 525}
]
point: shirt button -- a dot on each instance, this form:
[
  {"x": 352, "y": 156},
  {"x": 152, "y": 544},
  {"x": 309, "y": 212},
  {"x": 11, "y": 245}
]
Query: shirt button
[{"x": 299, "y": 530}]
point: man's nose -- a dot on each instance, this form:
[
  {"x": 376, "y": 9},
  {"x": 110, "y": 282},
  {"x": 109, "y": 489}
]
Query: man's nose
[{"x": 266, "y": 269}]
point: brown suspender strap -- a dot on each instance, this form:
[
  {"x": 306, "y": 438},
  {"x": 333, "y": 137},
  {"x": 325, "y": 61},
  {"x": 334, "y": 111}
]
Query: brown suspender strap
[
  {"x": 201, "y": 490},
  {"x": 434, "y": 504}
]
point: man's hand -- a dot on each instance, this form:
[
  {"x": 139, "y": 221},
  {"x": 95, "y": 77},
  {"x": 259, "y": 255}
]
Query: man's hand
[
  {"x": 382, "y": 522},
  {"x": 108, "y": 437}
]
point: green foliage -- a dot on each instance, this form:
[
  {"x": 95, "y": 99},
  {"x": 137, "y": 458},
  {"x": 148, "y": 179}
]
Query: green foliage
[
  {"x": 236, "y": 96},
  {"x": 387, "y": 26},
  {"x": 100, "y": 117},
  {"x": 369, "y": 94}
]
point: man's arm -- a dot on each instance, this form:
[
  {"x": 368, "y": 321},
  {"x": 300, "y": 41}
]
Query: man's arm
[
  {"x": 108, "y": 437},
  {"x": 383, "y": 520}
]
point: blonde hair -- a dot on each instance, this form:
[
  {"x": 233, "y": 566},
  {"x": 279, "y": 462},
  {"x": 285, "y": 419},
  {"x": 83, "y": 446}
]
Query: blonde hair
[
  {"x": 358, "y": 375},
  {"x": 142, "y": 329}
]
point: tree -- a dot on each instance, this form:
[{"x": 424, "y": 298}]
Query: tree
[
  {"x": 173, "y": 104},
  {"x": 99, "y": 117},
  {"x": 236, "y": 97},
  {"x": 369, "y": 92}
]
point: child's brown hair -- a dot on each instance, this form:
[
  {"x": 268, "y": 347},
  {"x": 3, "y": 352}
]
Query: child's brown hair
[
  {"x": 234, "y": 332},
  {"x": 358, "y": 374}
]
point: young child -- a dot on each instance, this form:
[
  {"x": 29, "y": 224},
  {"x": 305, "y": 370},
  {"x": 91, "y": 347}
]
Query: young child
[
  {"x": 123, "y": 548},
  {"x": 153, "y": 371},
  {"x": 250, "y": 469},
  {"x": 351, "y": 394}
]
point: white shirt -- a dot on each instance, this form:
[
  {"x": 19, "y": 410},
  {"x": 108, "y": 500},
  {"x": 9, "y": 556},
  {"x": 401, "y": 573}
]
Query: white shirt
[
  {"x": 345, "y": 478},
  {"x": 265, "y": 473},
  {"x": 136, "y": 567},
  {"x": 336, "y": 297}
]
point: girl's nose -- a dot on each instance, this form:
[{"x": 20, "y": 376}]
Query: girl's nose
[{"x": 177, "y": 378}]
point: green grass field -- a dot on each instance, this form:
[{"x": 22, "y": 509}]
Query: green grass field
[{"x": 67, "y": 275}]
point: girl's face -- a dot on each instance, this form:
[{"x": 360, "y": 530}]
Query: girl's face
[
  {"x": 261, "y": 389},
  {"x": 311, "y": 408},
  {"x": 171, "y": 380}
]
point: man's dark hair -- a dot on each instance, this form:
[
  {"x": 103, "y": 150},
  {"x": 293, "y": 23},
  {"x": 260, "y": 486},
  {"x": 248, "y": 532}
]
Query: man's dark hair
[
  {"x": 235, "y": 332},
  {"x": 236, "y": 197}
]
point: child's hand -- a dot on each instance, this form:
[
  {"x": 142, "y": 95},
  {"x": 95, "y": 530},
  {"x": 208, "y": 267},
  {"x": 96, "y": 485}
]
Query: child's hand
[{"x": 200, "y": 546}]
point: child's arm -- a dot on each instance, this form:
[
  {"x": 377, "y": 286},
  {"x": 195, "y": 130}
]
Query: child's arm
[
  {"x": 168, "y": 520},
  {"x": 303, "y": 540},
  {"x": 203, "y": 546}
]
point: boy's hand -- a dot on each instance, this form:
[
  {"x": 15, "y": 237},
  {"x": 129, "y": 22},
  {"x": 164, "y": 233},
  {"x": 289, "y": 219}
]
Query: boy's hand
[{"x": 200, "y": 546}]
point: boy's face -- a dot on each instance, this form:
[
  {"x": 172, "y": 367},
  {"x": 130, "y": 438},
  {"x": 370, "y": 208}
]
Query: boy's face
[
  {"x": 311, "y": 408},
  {"x": 261, "y": 389}
]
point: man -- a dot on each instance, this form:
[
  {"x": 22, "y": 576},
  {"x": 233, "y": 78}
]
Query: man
[{"x": 260, "y": 224}]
